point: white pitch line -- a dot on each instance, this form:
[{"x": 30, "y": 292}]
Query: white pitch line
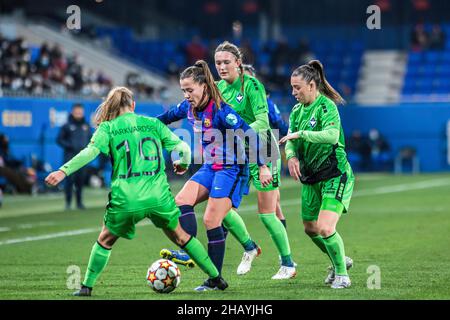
[
  {"x": 50, "y": 236},
  {"x": 381, "y": 190},
  {"x": 371, "y": 192}
]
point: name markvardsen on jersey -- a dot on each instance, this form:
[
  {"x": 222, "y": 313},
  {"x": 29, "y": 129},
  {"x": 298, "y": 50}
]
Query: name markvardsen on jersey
[{"x": 131, "y": 130}]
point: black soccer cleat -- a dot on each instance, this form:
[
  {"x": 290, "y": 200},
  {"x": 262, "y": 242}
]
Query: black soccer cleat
[
  {"x": 217, "y": 283},
  {"x": 83, "y": 292}
]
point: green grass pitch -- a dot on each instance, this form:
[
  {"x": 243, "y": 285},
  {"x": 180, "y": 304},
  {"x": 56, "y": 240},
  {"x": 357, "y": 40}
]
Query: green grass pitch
[{"x": 399, "y": 224}]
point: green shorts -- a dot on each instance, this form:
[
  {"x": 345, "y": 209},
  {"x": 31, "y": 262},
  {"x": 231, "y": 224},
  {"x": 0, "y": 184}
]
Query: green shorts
[
  {"x": 333, "y": 195},
  {"x": 276, "y": 175},
  {"x": 123, "y": 224}
]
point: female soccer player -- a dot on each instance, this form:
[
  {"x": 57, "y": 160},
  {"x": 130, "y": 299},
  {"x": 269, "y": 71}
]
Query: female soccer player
[
  {"x": 276, "y": 122},
  {"x": 316, "y": 155},
  {"x": 224, "y": 174},
  {"x": 139, "y": 184},
  {"x": 247, "y": 96}
]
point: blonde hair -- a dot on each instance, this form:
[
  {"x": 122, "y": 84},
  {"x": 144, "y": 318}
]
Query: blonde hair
[
  {"x": 117, "y": 99},
  {"x": 234, "y": 50}
]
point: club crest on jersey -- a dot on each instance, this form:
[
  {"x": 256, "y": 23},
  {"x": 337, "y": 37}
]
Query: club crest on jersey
[
  {"x": 231, "y": 119},
  {"x": 239, "y": 97},
  {"x": 312, "y": 122},
  {"x": 207, "y": 123}
]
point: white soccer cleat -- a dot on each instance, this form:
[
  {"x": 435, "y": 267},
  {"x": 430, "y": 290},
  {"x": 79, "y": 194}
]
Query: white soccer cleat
[
  {"x": 341, "y": 282},
  {"x": 331, "y": 275},
  {"x": 247, "y": 259},
  {"x": 285, "y": 273}
]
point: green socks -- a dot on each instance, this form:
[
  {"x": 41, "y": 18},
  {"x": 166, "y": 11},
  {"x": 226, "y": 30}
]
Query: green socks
[
  {"x": 97, "y": 262},
  {"x": 278, "y": 234},
  {"x": 318, "y": 240},
  {"x": 335, "y": 249},
  {"x": 234, "y": 223},
  {"x": 198, "y": 253}
]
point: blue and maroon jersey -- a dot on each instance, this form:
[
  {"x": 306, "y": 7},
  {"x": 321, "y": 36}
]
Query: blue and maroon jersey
[
  {"x": 211, "y": 120},
  {"x": 275, "y": 119}
]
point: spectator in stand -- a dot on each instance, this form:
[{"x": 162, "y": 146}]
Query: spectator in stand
[
  {"x": 247, "y": 52},
  {"x": 379, "y": 150},
  {"x": 437, "y": 38},
  {"x": 419, "y": 38},
  {"x": 358, "y": 151},
  {"x": 195, "y": 50},
  {"x": 302, "y": 53},
  {"x": 73, "y": 137},
  {"x": 22, "y": 179}
]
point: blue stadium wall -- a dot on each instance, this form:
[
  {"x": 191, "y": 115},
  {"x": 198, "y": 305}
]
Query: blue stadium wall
[{"x": 33, "y": 124}]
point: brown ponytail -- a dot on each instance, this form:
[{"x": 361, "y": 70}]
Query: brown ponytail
[
  {"x": 313, "y": 71},
  {"x": 201, "y": 73},
  {"x": 117, "y": 99},
  {"x": 233, "y": 49}
]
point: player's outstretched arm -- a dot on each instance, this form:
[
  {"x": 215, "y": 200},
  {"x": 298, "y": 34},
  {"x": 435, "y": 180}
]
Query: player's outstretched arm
[{"x": 80, "y": 160}]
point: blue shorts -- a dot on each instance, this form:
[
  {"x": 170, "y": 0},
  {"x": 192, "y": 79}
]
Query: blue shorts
[{"x": 228, "y": 182}]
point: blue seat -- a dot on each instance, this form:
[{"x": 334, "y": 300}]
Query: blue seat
[
  {"x": 432, "y": 56},
  {"x": 415, "y": 57}
]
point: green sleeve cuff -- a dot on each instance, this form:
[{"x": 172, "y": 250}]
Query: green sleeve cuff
[
  {"x": 185, "y": 153},
  {"x": 80, "y": 160},
  {"x": 261, "y": 122}
]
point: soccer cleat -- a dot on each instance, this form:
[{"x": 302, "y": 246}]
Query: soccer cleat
[
  {"x": 285, "y": 273},
  {"x": 177, "y": 256},
  {"x": 330, "y": 277},
  {"x": 247, "y": 259},
  {"x": 341, "y": 282},
  {"x": 83, "y": 292},
  {"x": 217, "y": 283}
]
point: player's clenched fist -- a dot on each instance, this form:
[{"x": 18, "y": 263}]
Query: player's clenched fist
[{"x": 55, "y": 177}]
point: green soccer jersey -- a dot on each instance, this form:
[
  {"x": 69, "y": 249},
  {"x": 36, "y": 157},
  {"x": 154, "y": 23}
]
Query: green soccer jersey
[
  {"x": 135, "y": 145},
  {"x": 321, "y": 146},
  {"x": 249, "y": 103}
]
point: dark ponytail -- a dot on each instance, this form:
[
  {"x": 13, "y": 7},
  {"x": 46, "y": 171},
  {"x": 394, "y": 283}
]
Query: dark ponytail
[
  {"x": 201, "y": 73},
  {"x": 313, "y": 71}
]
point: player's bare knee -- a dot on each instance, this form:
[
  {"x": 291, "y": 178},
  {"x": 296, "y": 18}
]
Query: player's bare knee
[
  {"x": 179, "y": 200},
  {"x": 210, "y": 222},
  {"x": 326, "y": 231},
  {"x": 312, "y": 232}
]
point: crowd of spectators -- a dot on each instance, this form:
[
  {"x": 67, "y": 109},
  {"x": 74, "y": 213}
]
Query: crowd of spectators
[
  {"x": 422, "y": 40},
  {"x": 274, "y": 71},
  {"x": 369, "y": 152},
  {"x": 49, "y": 71}
]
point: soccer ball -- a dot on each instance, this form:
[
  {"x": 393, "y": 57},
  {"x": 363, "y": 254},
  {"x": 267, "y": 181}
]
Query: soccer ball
[{"x": 163, "y": 276}]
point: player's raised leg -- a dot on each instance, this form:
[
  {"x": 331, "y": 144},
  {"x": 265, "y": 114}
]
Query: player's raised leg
[
  {"x": 191, "y": 194},
  {"x": 198, "y": 253},
  {"x": 100, "y": 253}
]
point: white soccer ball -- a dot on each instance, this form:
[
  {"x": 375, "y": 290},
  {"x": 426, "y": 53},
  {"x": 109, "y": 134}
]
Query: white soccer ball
[{"x": 163, "y": 276}]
